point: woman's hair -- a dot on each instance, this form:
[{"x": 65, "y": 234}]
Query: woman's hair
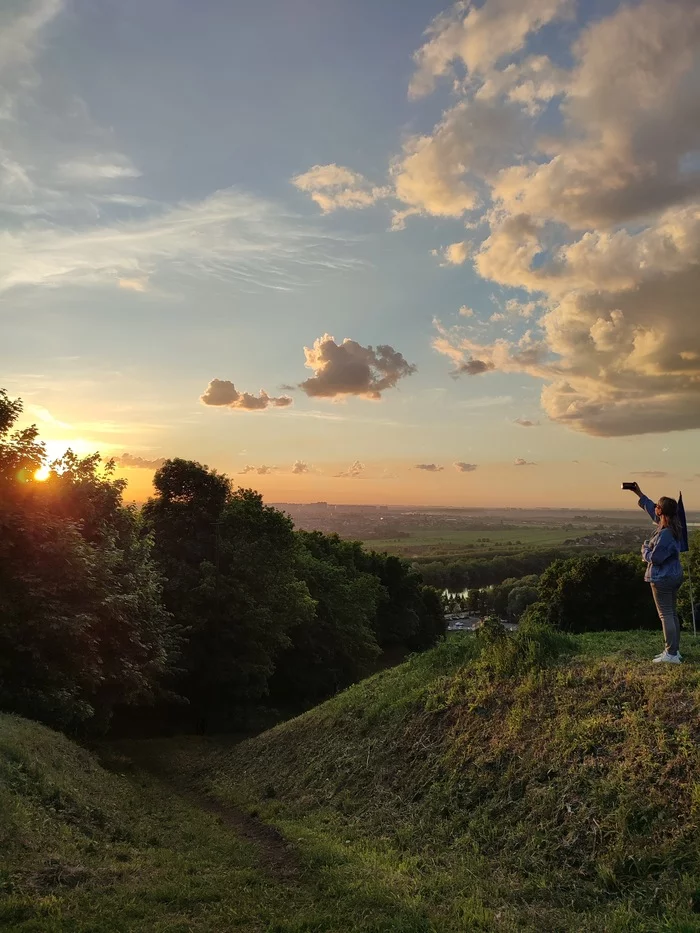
[{"x": 669, "y": 509}]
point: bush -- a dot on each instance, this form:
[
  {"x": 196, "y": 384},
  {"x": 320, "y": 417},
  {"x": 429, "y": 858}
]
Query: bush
[
  {"x": 596, "y": 593},
  {"x": 533, "y": 646}
]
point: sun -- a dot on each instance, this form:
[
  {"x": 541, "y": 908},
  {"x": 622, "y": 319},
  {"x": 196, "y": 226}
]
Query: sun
[{"x": 42, "y": 474}]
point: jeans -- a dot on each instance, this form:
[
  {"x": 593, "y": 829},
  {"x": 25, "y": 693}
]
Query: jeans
[{"x": 666, "y": 598}]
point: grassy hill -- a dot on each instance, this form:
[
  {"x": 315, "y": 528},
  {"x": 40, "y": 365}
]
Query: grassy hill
[{"x": 535, "y": 783}]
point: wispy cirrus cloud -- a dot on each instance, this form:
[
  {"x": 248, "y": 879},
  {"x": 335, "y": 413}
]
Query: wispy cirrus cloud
[
  {"x": 73, "y": 216},
  {"x": 230, "y": 235}
]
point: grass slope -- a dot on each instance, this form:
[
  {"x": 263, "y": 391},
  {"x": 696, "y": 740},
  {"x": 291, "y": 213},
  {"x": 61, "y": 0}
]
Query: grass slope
[
  {"x": 483, "y": 790},
  {"x": 87, "y": 850},
  {"x": 480, "y": 786}
]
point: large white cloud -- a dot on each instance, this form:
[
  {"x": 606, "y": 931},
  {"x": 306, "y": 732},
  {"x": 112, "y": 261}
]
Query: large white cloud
[{"x": 598, "y": 216}]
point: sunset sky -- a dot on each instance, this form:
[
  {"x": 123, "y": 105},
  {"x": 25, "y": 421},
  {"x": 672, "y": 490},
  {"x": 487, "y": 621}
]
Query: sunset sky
[{"x": 395, "y": 252}]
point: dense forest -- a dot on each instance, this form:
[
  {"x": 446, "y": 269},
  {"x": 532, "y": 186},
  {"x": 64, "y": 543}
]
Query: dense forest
[{"x": 199, "y": 605}]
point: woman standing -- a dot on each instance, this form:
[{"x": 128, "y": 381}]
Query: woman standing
[{"x": 663, "y": 559}]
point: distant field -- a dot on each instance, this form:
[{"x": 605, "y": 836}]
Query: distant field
[{"x": 526, "y": 536}]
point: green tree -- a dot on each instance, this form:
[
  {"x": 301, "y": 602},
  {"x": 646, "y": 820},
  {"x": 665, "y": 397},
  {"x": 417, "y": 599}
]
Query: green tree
[
  {"x": 229, "y": 563},
  {"x": 597, "y": 593},
  {"x": 691, "y": 565},
  {"x": 337, "y": 645},
  {"x": 82, "y": 627}
]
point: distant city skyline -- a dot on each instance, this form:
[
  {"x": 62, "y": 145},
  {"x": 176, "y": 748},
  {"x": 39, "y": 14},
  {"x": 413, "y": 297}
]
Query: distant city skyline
[{"x": 413, "y": 254}]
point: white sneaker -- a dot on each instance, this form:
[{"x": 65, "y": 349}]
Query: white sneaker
[{"x": 667, "y": 658}]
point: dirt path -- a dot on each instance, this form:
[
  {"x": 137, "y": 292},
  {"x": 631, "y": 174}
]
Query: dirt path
[{"x": 277, "y": 856}]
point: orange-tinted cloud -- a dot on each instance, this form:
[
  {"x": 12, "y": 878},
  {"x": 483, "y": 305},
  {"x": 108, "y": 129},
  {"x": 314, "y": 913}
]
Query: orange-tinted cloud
[
  {"x": 139, "y": 463},
  {"x": 222, "y": 393},
  {"x": 354, "y": 471}
]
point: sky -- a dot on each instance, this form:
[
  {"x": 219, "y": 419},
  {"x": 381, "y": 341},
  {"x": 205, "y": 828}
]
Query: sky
[{"x": 404, "y": 253}]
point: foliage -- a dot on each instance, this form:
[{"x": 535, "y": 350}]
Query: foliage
[
  {"x": 229, "y": 563},
  {"x": 457, "y": 574},
  {"x": 691, "y": 565},
  {"x": 82, "y": 627},
  {"x": 597, "y": 593},
  {"x": 337, "y": 645},
  {"x": 533, "y": 646}
]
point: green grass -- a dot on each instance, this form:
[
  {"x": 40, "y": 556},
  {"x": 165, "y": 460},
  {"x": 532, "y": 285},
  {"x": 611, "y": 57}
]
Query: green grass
[
  {"x": 537, "y": 783},
  {"x": 528, "y": 536},
  {"x": 85, "y": 850},
  {"x": 564, "y": 797}
]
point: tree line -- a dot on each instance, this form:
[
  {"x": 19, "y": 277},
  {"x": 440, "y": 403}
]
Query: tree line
[
  {"x": 205, "y": 600},
  {"x": 588, "y": 593}
]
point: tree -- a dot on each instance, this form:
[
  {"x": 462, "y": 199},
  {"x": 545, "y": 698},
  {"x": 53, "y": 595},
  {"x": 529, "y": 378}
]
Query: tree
[
  {"x": 337, "y": 645},
  {"x": 432, "y": 626},
  {"x": 597, "y": 593},
  {"x": 229, "y": 563},
  {"x": 691, "y": 562},
  {"x": 82, "y": 627}
]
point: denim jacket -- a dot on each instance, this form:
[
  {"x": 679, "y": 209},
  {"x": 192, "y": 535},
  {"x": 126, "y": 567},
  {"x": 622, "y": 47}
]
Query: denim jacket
[{"x": 661, "y": 552}]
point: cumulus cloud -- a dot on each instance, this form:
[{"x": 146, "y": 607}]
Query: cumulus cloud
[
  {"x": 262, "y": 470},
  {"x": 520, "y": 462},
  {"x": 139, "y": 463},
  {"x": 222, "y": 393},
  {"x": 531, "y": 84},
  {"x": 472, "y": 367},
  {"x": 432, "y": 174},
  {"x": 456, "y": 254},
  {"x": 479, "y": 37},
  {"x": 596, "y": 213},
  {"x": 463, "y": 467},
  {"x": 334, "y": 186},
  {"x": 526, "y": 423},
  {"x": 349, "y": 368},
  {"x": 301, "y": 467},
  {"x": 354, "y": 471},
  {"x": 429, "y": 467},
  {"x": 466, "y": 311}
]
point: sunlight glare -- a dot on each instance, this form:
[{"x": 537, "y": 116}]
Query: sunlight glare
[{"x": 42, "y": 474}]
